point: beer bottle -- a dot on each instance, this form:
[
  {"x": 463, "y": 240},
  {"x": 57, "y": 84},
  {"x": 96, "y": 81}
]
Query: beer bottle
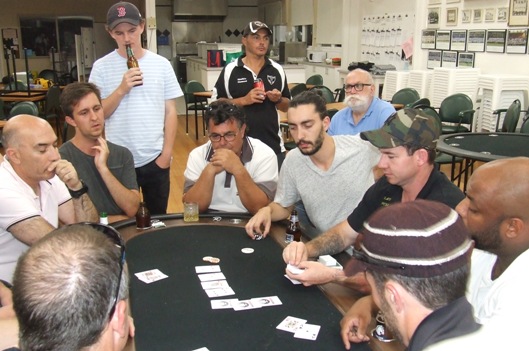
[
  {"x": 131, "y": 60},
  {"x": 293, "y": 232},
  {"x": 103, "y": 218},
  {"x": 143, "y": 217}
]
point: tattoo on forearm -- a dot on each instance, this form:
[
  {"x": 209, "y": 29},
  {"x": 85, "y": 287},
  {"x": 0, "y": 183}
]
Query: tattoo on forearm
[{"x": 328, "y": 244}]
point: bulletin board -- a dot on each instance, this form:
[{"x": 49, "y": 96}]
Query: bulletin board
[{"x": 384, "y": 35}]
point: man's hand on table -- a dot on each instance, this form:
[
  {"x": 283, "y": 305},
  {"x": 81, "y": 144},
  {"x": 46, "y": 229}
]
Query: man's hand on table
[
  {"x": 356, "y": 321},
  {"x": 259, "y": 224},
  {"x": 314, "y": 273}
]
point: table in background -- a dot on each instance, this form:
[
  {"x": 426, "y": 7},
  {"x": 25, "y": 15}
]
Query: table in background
[
  {"x": 483, "y": 147},
  {"x": 22, "y": 96},
  {"x": 175, "y": 313}
]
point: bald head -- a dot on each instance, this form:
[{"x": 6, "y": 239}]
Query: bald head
[
  {"x": 19, "y": 127},
  {"x": 507, "y": 185},
  {"x": 361, "y": 75}
]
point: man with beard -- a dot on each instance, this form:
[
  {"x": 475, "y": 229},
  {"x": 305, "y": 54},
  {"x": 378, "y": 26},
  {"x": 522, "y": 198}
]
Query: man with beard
[
  {"x": 407, "y": 142},
  {"x": 496, "y": 214},
  {"x": 329, "y": 174},
  {"x": 416, "y": 259},
  {"x": 260, "y": 103},
  {"x": 107, "y": 168},
  {"x": 364, "y": 111}
]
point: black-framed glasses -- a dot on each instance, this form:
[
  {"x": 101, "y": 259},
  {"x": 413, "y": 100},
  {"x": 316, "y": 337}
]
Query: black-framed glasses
[
  {"x": 116, "y": 238},
  {"x": 360, "y": 255},
  {"x": 357, "y": 86},
  {"x": 230, "y": 136}
]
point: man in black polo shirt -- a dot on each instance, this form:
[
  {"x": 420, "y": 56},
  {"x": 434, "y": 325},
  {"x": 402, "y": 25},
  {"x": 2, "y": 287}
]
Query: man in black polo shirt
[
  {"x": 407, "y": 142},
  {"x": 236, "y": 83}
]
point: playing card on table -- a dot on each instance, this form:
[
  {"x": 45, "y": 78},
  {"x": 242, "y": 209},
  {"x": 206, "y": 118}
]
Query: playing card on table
[
  {"x": 267, "y": 301},
  {"x": 150, "y": 276},
  {"x": 291, "y": 324},
  {"x": 202, "y": 349},
  {"x": 207, "y": 269},
  {"x": 244, "y": 305},
  {"x": 211, "y": 276},
  {"x": 215, "y": 284},
  {"x": 223, "y": 304},
  {"x": 220, "y": 292},
  {"x": 308, "y": 331}
]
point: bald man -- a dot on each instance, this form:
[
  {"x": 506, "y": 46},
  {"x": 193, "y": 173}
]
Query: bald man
[
  {"x": 37, "y": 189},
  {"x": 364, "y": 111}
]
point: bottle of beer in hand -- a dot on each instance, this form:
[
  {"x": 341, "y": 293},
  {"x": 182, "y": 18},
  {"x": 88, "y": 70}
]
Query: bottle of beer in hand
[
  {"x": 293, "y": 232},
  {"x": 143, "y": 217},
  {"x": 132, "y": 62}
]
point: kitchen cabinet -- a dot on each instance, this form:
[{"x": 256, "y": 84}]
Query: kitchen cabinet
[
  {"x": 329, "y": 22},
  {"x": 302, "y": 12},
  {"x": 330, "y": 74}
]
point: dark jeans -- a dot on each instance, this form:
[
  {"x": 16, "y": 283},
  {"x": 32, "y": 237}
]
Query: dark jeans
[{"x": 154, "y": 184}]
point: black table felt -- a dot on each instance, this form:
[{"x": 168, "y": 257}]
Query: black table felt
[{"x": 175, "y": 313}]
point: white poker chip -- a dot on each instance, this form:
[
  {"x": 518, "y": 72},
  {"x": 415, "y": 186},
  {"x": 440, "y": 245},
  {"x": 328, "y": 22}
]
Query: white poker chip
[
  {"x": 247, "y": 250},
  {"x": 210, "y": 259}
]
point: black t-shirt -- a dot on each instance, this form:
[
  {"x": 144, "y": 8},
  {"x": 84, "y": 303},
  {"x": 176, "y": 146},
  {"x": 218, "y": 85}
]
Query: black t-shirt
[
  {"x": 261, "y": 119},
  {"x": 437, "y": 188}
]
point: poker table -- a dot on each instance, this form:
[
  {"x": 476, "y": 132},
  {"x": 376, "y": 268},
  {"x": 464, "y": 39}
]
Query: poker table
[
  {"x": 175, "y": 313},
  {"x": 483, "y": 147}
]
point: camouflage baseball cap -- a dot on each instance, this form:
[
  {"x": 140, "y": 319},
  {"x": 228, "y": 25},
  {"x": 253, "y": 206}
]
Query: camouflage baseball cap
[{"x": 405, "y": 127}]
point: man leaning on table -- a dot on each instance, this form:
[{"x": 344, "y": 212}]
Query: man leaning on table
[
  {"x": 364, "y": 111},
  {"x": 232, "y": 172},
  {"x": 407, "y": 142},
  {"x": 106, "y": 168},
  {"x": 78, "y": 299},
  {"x": 328, "y": 173},
  {"x": 38, "y": 189}
]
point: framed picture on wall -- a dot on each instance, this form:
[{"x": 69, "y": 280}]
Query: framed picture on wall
[
  {"x": 465, "y": 60},
  {"x": 518, "y": 13},
  {"x": 490, "y": 14},
  {"x": 434, "y": 59},
  {"x": 434, "y": 16},
  {"x": 516, "y": 41},
  {"x": 449, "y": 59},
  {"x": 428, "y": 39},
  {"x": 458, "y": 40},
  {"x": 442, "y": 40},
  {"x": 451, "y": 16},
  {"x": 503, "y": 14},
  {"x": 466, "y": 16},
  {"x": 477, "y": 15},
  {"x": 476, "y": 40},
  {"x": 495, "y": 40}
]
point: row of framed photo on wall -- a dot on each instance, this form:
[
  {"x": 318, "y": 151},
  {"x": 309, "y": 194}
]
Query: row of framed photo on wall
[
  {"x": 450, "y": 59},
  {"x": 511, "y": 41}
]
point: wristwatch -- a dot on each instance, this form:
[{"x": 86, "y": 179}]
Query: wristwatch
[{"x": 78, "y": 193}]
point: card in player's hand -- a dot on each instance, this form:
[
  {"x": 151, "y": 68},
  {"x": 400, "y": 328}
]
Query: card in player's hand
[{"x": 291, "y": 324}]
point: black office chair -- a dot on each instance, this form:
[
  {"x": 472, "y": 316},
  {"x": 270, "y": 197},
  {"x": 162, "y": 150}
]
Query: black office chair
[
  {"x": 512, "y": 115},
  {"x": 525, "y": 124},
  {"x": 405, "y": 96},
  {"x": 298, "y": 89},
  {"x": 49, "y": 74},
  {"x": 315, "y": 79},
  {"x": 24, "y": 108}
]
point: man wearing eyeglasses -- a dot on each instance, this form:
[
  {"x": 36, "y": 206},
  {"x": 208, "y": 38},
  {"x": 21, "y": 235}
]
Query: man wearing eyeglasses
[
  {"x": 70, "y": 291},
  {"x": 236, "y": 84},
  {"x": 364, "y": 111},
  {"x": 232, "y": 172},
  {"x": 407, "y": 143},
  {"x": 416, "y": 259}
]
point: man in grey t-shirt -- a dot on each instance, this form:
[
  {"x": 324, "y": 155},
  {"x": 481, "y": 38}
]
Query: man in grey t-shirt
[
  {"x": 329, "y": 174},
  {"x": 106, "y": 168}
]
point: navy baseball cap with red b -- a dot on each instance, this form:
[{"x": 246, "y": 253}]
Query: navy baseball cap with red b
[
  {"x": 123, "y": 12},
  {"x": 419, "y": 239}
]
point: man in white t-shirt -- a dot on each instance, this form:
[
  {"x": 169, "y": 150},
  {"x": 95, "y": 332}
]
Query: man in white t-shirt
[{"x": 232, "y": 172}]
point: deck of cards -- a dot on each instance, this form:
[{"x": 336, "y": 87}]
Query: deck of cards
[{"x": 300, "y": 328}]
